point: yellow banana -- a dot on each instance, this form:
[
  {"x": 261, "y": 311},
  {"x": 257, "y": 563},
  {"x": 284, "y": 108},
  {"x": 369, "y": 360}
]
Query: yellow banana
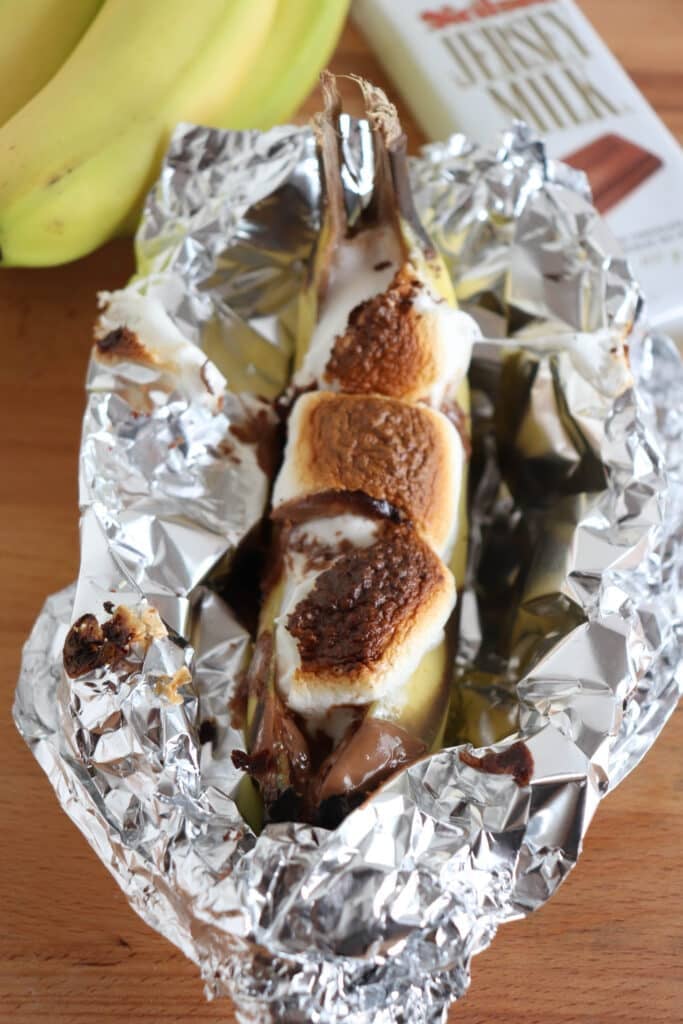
[
  {"x": 36, "y": 37},
  {"x": 79, "y": 156},
  {"x": 300, "y": 42}
]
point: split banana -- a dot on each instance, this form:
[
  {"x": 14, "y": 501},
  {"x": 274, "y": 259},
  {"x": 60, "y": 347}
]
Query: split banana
[
  {"x": 350, "y": 676},
  {"x": 78, "y": 158}
]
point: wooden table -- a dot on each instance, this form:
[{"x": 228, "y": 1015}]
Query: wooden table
[{"x": 607, "y": 949}]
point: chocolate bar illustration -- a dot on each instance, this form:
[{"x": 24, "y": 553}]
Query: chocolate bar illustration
[{"x": 615, "y": 168}]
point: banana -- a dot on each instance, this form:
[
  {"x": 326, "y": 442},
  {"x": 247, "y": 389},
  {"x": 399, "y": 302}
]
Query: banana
[
  {"x": 78, "y": 158},
  {"x": 36, "y": 36},
  {"x": 381, "y": 351},
  {"x": 300, "y": 41}
]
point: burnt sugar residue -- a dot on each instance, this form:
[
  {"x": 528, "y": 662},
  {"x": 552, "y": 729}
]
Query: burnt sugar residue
[
  {"x": 365, "y": 602},
  {"x": 89, "y": 645},
  {"x": 122, "y": 343},
  {"x": 383, "y": 348},
  {"x": 515, "y": 760}
]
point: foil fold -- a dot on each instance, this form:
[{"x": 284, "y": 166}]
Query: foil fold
[{"x": 570, "y": 619}]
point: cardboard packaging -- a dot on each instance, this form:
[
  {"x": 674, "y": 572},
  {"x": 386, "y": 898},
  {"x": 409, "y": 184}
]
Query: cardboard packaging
[{"x": 473, "y": 66}]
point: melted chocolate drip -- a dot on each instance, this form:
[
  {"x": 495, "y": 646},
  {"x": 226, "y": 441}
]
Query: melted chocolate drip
[
  {"x": 515, "y": 760},
  {"x": 326, "y": 504}
]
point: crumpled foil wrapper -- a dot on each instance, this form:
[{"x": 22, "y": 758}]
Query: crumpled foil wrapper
[{"x": 570, "y": 619}]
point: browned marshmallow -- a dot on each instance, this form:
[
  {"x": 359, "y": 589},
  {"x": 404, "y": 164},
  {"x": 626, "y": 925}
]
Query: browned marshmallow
[
  {"x": 388, "y": 347},
  {"x": 407, "y": 455},
  {"x": 356, "y": 631}
]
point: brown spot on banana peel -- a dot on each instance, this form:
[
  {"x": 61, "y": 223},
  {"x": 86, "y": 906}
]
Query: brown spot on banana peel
[{"x": 58, "y": 176}]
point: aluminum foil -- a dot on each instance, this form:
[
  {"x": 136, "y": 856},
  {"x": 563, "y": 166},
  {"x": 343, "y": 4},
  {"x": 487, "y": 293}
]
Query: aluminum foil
[{"x": 570, "y": 619}]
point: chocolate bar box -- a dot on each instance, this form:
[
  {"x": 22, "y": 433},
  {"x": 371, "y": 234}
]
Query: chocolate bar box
[{"x": 475, "y": 65}]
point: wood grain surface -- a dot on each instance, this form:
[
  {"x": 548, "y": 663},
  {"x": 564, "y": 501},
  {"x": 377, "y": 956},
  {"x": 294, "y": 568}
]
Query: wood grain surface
[{"x": 609, "y": 946}]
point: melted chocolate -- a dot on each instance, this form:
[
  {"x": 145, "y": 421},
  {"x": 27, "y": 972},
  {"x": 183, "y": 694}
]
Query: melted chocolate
[
  {"x": 284, "y": 404},
  {"x": 333, "y": 502},
  {"x": 367, "y": 756},
  {"x": 208, "y": 732},
  {"x": 317, "y": 556},
  {"x": 362, "y": 604},
  {"x": 515, "y": 760},
  {"x": 260, "y": 430}
]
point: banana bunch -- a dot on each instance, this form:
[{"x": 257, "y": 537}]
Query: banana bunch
[
  {"x": 350, "y": 676},
  {"x": 90, "y": 91}
]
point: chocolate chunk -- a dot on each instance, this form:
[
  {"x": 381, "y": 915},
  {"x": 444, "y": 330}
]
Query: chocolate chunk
[{"x": 370, "y": 754}]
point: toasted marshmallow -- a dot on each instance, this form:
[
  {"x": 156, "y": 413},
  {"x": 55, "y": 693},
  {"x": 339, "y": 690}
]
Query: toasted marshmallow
[
  {"x": 356, "y": 631},
  {"x": 363, "y": 267},
  {"x": 135, "y": 328},
  {"x": 408, "y": 456},
  {"x": 401, "y": 341}
]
